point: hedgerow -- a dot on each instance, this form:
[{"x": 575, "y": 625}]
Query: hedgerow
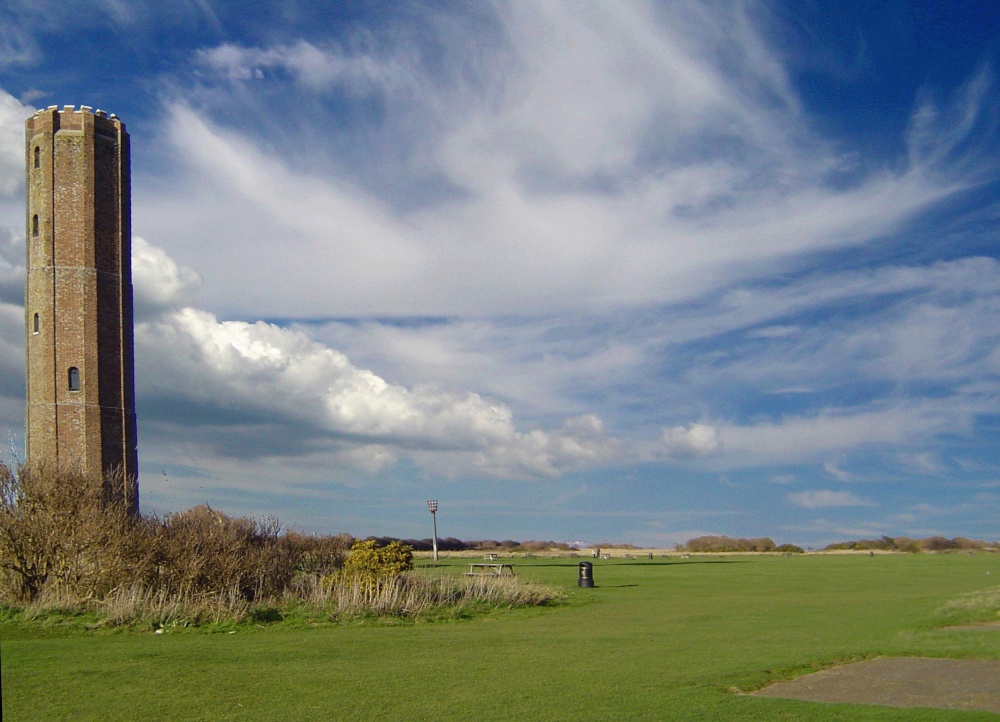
[{"x": 68, "y": 541}]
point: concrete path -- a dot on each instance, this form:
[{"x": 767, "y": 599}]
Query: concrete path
[{"x": 901, "y": 682}]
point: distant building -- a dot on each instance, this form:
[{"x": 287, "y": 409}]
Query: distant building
[{"x": 78, "y": 295}]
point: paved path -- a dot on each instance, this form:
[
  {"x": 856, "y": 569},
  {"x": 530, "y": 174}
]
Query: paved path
[{"x": 901, "y": 682}]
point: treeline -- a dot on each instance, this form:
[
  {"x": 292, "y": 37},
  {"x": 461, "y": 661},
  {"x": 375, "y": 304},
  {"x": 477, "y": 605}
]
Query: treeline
[
  {"x": 451, "y": 544},
  {"x": 913, "y": 546},
  {"x": 728, "y": 544}
]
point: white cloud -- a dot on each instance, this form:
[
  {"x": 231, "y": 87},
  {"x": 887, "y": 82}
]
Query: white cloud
[
  {"x": 17, "y": 47},
  {"x": 210, "y": 374},
  {"x": 317, "y": 68},
  {"x": 159, "y": 282},
  {"x": 12, "y": 116},
  {"x": 935, "y": 133},
  {"x": 11, "y": 266},
  {"x": 839, "y": 474},
  {"x": 803, "y": 438},
  {"x": 824, "y": 499},
  {"x": 691, "y": 441},
  {"x": 594, "y": 156},
  {"x": 924, "y": 461}
]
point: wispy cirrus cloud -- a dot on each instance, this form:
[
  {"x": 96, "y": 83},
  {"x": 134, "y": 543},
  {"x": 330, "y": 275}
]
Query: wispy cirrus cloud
[
  {"x": 609, "y": 161},
  {"x": 318, "y": 69},
  {"x": 822, "y": 499}
]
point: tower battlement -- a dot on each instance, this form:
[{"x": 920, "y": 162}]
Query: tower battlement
[
  {"x": 78, "y": 294},
  {"x": 69, "y": 117}
]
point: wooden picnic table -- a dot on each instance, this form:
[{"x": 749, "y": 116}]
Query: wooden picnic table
[{"x": 490, "y": 570}]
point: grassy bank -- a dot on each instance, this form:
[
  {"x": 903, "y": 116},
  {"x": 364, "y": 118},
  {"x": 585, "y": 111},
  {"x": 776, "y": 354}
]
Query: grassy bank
[{"x": 656, "y": 639}]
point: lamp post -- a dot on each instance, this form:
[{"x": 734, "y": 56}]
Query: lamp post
[{"x": 432, "y": 505}]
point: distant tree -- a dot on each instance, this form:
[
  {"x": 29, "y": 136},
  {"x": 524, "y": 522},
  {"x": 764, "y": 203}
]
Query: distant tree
[{"x": 720, "y": 544}]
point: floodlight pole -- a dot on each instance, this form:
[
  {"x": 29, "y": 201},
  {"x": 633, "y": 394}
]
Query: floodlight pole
[{"x": 432, "y": 505}]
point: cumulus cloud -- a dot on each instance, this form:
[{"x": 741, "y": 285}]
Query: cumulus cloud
[
  {"x": 12, "y": 356},
  {"x": 691, "y": 441},
  {"x": 159, "y": 283},
  {"x": 822, "y": 499},
  {"x": 12, "y": 116},
  {"x": 11, "y": 266},
  {"x": 199, "y": 371}
]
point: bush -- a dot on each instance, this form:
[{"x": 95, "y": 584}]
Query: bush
[
  {"x": 203, "y": 551},
  {"x": 370, "y": 563},
  {"x": 67, "y": 532},
  {"x": 317, "y": 555},
  {"x": 67, "y": 536}
]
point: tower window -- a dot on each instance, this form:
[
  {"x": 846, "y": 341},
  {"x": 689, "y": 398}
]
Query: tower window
[
  {"x": 34, "y": 225},
  {"x": 38, "y": 157},
  {"x": 74, "y": 378},
  {"x": 35, "y": 324}
]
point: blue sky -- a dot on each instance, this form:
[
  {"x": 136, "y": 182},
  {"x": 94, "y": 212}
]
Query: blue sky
[{"x": 626, "y": 272}]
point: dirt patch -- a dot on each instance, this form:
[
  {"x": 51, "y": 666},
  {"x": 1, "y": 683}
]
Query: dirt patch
[
  {"x": 983, "y": 627},
  {"x": 901, "y": 682}
]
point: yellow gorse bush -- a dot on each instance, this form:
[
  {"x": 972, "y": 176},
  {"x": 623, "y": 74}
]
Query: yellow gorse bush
[{"x": 370, "y": 563}]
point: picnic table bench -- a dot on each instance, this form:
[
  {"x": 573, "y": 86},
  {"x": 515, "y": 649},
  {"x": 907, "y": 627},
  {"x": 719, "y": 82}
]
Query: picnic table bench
[{"x": 490, "y": 570}]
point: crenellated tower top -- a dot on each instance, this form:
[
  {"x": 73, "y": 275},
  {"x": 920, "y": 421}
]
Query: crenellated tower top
[{"x": 69, "y": 117}]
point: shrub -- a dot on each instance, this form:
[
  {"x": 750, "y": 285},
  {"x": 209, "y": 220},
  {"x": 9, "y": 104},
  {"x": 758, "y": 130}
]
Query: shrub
[
  {"x": 67, "y": 532},
  {"x": 203, "y": 551},
  {"x": 370, "y": 563},
  {"x": 317, "y": 555},
  {"x": 69, "y": 538}
]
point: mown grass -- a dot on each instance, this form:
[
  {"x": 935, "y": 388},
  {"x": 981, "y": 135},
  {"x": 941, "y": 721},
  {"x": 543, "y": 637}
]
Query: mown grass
[{"x": 656, "y": 639}]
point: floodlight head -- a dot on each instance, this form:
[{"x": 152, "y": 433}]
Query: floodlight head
[{"x": 432, "y": 504}]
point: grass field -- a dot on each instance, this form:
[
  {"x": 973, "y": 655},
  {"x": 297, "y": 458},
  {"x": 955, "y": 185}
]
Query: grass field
[{"x": 661, "y": 639}]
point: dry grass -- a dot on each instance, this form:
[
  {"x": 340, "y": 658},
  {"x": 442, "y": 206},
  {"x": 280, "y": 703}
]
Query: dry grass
[
  {"x": 412, "y": 595},
  {"x": 981, "y": 606}
]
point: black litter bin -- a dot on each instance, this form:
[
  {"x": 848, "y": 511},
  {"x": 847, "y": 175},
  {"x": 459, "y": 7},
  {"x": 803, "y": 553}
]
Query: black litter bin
[{"x": 586, "y": 575}]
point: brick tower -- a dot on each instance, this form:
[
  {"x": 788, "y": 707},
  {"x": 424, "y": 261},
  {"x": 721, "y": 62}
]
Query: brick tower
[{"x": 78, "y": 295}]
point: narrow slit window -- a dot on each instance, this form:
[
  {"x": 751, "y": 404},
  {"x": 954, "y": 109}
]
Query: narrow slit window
[
  {"x": 38, "y": 157},
  {"x": 34, "y": 225},
  {"x": 74, "y": 378},
  {"x": 35, "y": 324}
]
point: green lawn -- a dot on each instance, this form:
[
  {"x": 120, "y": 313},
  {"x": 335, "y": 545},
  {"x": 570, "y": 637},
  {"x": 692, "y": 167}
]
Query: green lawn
[{"x": 655, "y": 640}]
